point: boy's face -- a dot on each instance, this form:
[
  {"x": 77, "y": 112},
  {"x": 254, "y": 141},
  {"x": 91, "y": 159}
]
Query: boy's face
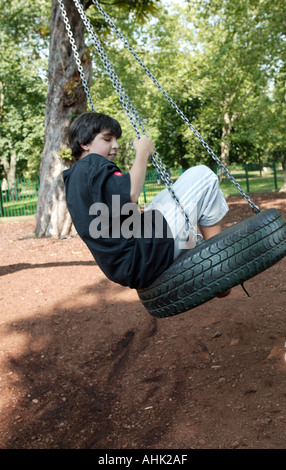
[{"x": 104, "y": 144}]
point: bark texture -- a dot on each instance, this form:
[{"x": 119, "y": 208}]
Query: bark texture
[{"x": 65, "y": 99}]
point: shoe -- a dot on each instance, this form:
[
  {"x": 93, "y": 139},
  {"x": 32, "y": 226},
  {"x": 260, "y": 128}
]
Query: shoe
[{"x": 224, "y": 294}]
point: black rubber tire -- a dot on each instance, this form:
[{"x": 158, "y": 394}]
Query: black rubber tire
[{"x": 235, "y": 255}]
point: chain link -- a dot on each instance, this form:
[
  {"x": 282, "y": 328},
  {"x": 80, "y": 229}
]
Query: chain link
[
  {"x": 176, "y": 108},
  {"x": 76, "y": 54}
]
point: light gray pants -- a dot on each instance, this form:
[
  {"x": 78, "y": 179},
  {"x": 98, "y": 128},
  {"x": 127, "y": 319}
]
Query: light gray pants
[{"x": 201, "y": 197}]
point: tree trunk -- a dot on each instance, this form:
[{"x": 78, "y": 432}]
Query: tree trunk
[
  {"x": 260, "y": 162},
  {"x": 283, "y": 189},
  {"x": 224, "y": 145},
  {"x": 228, "y": 120},
  {"x": 65, "y": 99},
  {"x": 10, "y": 172}
]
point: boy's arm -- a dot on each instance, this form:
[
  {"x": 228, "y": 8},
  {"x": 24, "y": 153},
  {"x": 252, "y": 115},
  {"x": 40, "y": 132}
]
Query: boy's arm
[{"x": 144, "y": 147}]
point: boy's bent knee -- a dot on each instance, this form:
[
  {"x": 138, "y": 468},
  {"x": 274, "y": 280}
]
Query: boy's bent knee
[
  {"x": 200, "y": 170},
  {"x": 205, "y": 170}
]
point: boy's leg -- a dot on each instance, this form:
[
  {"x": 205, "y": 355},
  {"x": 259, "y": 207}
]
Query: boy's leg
[
  {"x": 199, "y": 193},
  {"x": 211, "y": 231}
]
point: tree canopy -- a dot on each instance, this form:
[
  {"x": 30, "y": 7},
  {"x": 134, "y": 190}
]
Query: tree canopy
[
  {"x": 23, "y": 83},
  {"x": 222, "y": 62}
]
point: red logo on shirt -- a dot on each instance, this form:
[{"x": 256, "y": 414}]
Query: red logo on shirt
[{"x": 117, "y": 173}]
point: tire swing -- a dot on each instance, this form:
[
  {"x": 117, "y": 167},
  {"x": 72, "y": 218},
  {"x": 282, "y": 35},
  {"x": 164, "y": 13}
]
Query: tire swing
[
  {"x": 228, "y": 259},
  {"x": 235, "y": 255}
]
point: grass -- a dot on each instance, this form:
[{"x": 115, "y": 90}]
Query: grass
[{"x": 256, "y": 183}]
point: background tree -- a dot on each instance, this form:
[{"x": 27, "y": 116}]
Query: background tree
[
  {"x": 242, "y": 46},
  {"x": 219, "y": 61},
  {"x": 22, "y": 85},
  {"x": 278, "y": 142}
]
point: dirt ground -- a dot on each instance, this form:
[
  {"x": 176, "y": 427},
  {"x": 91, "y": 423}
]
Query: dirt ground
[{"x": 84, "y": 366}]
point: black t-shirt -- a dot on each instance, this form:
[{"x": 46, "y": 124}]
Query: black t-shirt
[{"x": 121, "y": 239}]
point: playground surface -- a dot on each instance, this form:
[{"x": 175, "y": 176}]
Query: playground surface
[{"x": 84, "y": 366}]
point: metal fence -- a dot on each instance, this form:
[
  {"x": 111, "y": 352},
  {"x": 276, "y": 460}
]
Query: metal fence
[
  {"x": 21, "y": 198},
  {"x": 18, "y": 199}
]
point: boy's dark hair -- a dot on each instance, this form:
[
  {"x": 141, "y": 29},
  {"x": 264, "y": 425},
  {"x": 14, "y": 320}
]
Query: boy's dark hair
[{"x": 86, "y": 126}]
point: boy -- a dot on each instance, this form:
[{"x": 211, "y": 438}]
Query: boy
[{"x": 95, "y": 186}]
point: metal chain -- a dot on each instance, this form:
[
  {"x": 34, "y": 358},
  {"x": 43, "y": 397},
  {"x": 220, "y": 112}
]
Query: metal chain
[
  {"x": 76, "y": 54},
  {"x": 174, "y": 105},
  {"x": 123, "y": 97},
  {"x": 125, "y": 101}
]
